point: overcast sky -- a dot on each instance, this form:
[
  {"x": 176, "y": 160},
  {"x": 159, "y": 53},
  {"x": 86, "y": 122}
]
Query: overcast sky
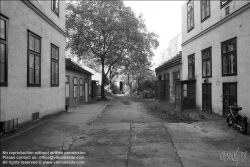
[{"x": 162, "y": 17}]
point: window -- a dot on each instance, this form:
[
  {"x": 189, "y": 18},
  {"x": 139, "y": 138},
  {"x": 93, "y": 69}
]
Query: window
[
  {"x": 35, "y": 116},
  {"x": 3, "y": 51},
  {"x": 166, "y": 77},
  {"x": 206, "y": 63},
  {"x": 89, "y": 86},
  {"x": 81, "y": 87},
  {"x": 159, "y": 77},
  {"x": 224, "y": 3},
  {"x": 205, "y": 9},
  {"x": 229, "y": 57},
  {"x": 54, "y": 65},
  {"x": 7, "y": 126},
  {"x": 34, "y": 59},
  {"x": 55, "y": 6},
  {"x": 75, "y": 87},
  {"x": 67, "y": 86},
  {"x": 190, "y": 15},
  {"x": 176, "y": 77},
  {"x": 191, "y": 59}
]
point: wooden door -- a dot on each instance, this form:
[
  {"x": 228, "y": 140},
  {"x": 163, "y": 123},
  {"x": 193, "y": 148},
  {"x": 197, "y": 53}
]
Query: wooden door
[
  {"x": 178, "y": 96},
  {"x": 206, "y": 98},
  {"x": 229, "y": 94},
  {"x": 188, "y": 95},
  {"x": 86, "y": 91},
  {"x": 167, "y": 90}
]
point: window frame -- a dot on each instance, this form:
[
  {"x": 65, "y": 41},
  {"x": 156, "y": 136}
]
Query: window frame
[
  {"x": 191, "y": 64},
  {"x": 89, "y": 86},
  {"x": 205, "y": 60},
  {"x": 75, "y": 95},
  {"x": 57, "y": 61},
  {"x": 57, "y": 13},
  {"x": 190, "y": 29},
  {"x": 166, "y": 77},
  {"x": 175, "y": 73},
  {"x": 81, "y": 86},
  {"x": 228, "y": 53},
  {"x": 67, "y": 82},
  {"x": 35, "y": 54},
  {"x": 5, "y": 43},
  {"x": 223, "y": 5},
  {"x": 205, "y": 18}
]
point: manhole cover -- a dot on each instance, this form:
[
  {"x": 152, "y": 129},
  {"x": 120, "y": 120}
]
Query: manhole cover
[{"x": 126, "y": 102}]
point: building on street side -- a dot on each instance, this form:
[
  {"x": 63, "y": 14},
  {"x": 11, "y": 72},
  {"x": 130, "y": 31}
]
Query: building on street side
[
  {"x": 32, "y": 62},
  {"x": 78, "y": 84},
  {"x": 167, "y": 85},
  {"x": 215, "y": 55}
]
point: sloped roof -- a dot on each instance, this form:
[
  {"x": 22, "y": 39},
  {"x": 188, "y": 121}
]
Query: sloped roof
[
  {"x": 176, "y": 60},
  {"x": 72, "y": 65}
]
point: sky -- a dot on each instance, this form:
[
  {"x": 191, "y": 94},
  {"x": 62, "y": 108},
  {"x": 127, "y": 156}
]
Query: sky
[{"x": 161, "y": 17}]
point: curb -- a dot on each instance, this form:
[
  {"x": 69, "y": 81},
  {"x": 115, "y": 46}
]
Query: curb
[{"x": 97, "y": 114}]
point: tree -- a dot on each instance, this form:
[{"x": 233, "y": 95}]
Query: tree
[{"x": 104, "y": 32}]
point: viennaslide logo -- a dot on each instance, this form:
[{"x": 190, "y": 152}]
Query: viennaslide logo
[{"x": 233, "y": 156}]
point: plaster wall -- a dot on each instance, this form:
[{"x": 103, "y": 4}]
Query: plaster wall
[
  {"x": 216, "y": 14},
  {"x": 46, "y": 8},
  {"x": 18, "y": 100},
  {"x": 170, "y": 72},
  {"x": 237, "y": 27},
  {"x": 79, "y": 99}
]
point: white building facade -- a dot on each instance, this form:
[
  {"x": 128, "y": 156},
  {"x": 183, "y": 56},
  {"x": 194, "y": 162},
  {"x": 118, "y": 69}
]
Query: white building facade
[
  {"x": 216, "y": 54},
  {"x": 32, "y": 77}
]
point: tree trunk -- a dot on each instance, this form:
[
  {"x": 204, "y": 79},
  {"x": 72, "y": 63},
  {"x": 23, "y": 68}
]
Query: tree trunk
[
  {"x": 129, "y": 84},
  {"x": 110, "y": 79},
  {"x": 103, "y": 80},
  {"x": 138, "y": 82}
]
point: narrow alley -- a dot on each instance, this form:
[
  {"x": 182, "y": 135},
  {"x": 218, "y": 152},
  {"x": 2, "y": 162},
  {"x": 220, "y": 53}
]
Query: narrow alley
[{"x": 125, "y": 134}]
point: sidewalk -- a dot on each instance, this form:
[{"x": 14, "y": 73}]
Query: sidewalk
[{"x": 58, "y": 133}]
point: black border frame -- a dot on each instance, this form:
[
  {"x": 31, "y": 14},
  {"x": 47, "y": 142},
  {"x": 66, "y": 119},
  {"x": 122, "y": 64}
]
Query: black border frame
[
  {"x": 28, "y": 53},
  {"x": 56, "y": 47},
  {"x": 76, "y": 87},
  {"x": 210, "y": 50},
  {"x": 221, "y": 6},
  {"x": 235, "y": 51},
  {"x": 202, "y": 20},
  {"x": 192, "y": 64},
  {"x": 188, "y": 30},
  {"x": 57, "y": 13},
  {"x": 5, "y": 42}
]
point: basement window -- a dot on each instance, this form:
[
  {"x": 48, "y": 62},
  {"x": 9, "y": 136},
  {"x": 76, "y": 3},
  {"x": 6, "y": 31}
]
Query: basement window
[
  {"x": 8, "y": 126},
  {"x": 35, "y": 116}
]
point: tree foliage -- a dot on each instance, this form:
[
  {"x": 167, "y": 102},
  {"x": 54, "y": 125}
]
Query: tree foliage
[{"x": 107, "y": 32}]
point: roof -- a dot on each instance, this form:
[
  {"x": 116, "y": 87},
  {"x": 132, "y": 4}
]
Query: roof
[
  {"x": 72, "y": 65},
  {"x": 176, "y": 60}
]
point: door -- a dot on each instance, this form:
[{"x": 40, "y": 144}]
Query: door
[
  {"x": 166, "y": 79},
  {"x": 121, "y": 86},
  {"x": 229, "y": 94},
  {"x": 178, "y": 96},
  {"x": 206, "y": 98},
  {"x": 66, "y": 92},
  {"x": 86, "y": 91},
  {"x": 188, "y": 95}
]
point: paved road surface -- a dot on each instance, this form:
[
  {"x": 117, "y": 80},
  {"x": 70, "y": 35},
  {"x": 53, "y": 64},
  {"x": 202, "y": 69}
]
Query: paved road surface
[{"x": 126, "y": 135}]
